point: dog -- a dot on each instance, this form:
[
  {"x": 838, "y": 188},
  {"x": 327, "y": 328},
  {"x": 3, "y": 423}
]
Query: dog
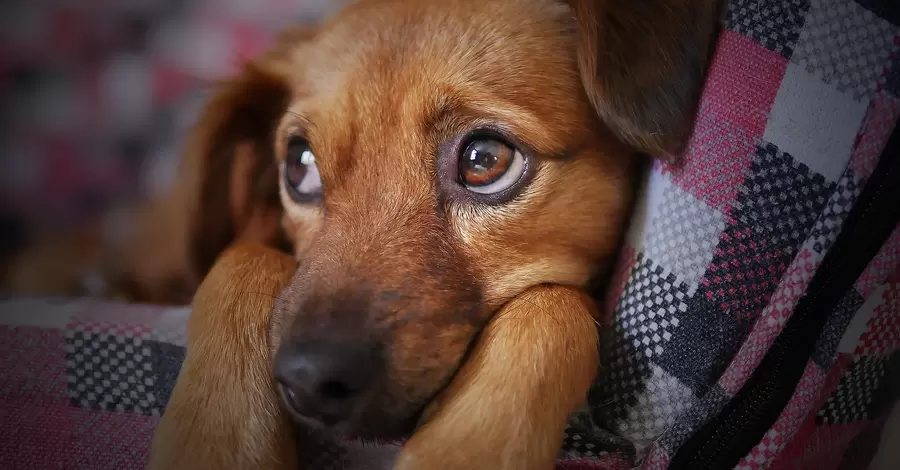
[{"x": 451, "y": 177}]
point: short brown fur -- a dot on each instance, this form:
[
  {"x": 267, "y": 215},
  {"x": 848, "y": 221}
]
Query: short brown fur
[{"x": 236, "y": 421}]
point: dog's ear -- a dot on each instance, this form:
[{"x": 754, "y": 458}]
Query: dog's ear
[
  {"x": 230, "y": 180},
  {"x": 642, "y": 63}
]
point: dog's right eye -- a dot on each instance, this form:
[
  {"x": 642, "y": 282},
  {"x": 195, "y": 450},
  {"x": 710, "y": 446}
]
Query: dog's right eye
[
  {"x": 300, "y": 173},
  {"x": 490, "y": 166}
]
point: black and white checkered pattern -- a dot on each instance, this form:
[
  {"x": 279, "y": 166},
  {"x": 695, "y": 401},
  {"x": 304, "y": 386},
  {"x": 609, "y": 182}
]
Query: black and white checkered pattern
[
  {"x": 776, "y": 207},
  {"x": 827, "y": 227},
  {"x": 775, "y": 25},
  {"x": 781, "y": 198},
  {"x": 120, "y": 372},
  {"x": 826, "y": 348},
  {"x": 852, "y": 399},
  {"x": 849, "y": 53},
  {"x": 650, "y": 309},
  {"x": 704, "y": 345},
  {"x": 657, "y": 406},
  {"x": 111, "y": 372},
  {"x": 583, "y": 439},
  {"x": 684, "y": 234}
]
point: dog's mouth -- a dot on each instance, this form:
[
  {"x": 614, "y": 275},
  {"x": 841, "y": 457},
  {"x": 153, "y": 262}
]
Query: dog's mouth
[
  {"x": 289, "y": 400},
  {"x": 357, "y": 424}
]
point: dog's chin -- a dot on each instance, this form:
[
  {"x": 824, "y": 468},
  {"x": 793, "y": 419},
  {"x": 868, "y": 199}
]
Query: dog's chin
[
  {"x": 354, "y": 430},
  {"x": 367, "y": 426}
]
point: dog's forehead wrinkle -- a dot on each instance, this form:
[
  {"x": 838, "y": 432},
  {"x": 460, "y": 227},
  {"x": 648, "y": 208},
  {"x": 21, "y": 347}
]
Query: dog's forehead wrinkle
[
  {"x": 413, "y": 23},
  {"x": 386, "y": 50}
]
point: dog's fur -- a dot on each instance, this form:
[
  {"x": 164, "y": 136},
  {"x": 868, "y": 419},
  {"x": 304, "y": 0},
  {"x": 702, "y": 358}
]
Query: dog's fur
[{"x": 479, "y": 307}]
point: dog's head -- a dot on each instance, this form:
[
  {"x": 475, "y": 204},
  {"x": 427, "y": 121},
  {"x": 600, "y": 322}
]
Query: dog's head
[{"x": 433, "y": 159}]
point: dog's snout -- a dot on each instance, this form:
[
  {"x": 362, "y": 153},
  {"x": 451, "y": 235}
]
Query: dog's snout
[{"x": 325, "y": 380}]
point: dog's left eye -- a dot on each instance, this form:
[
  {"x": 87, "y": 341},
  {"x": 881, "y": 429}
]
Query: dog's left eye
[
  {"x": 301, "y": 175},
  {"x": 489, "y": 166}
]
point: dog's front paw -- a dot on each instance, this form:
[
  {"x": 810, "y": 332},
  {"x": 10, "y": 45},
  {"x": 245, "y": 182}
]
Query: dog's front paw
[{"x": 497, "y": 413}]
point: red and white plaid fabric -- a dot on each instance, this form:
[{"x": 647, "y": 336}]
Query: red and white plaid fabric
[{"x": 801, "y": 98}]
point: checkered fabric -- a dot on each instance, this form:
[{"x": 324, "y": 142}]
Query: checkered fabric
[
  {"x": 84, "y": 383},
  {"x": 798, "y": 105}
]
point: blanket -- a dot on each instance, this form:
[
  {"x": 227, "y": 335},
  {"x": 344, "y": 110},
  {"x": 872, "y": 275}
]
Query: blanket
[
  {"x": 800, "y": 102},
  {"x": 84, "y": 382}
]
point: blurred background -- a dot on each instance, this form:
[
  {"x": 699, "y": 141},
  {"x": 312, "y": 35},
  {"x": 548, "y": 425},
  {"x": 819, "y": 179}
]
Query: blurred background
[{"x": 96, "y": 97}]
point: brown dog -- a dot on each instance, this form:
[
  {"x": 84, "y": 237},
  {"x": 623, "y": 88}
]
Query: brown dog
[{"x": 452, "y": 175}]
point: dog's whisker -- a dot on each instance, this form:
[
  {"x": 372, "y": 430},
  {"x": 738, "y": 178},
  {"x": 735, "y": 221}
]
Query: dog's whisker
[
  {"x": 605, "y": 405},
  {"x": 309, "y": 125}
]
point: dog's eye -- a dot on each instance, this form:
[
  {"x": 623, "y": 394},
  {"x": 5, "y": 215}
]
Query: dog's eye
[
  {"x": 488, "y": 166},
  {"x": 301, "y": 175}
]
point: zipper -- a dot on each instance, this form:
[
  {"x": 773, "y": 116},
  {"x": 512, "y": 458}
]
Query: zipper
[{"x": 733, "y": 433}]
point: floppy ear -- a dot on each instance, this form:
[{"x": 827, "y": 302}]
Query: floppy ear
[
  {"x": 642, "y": 63},
  {"x": 230, "y": 179}
]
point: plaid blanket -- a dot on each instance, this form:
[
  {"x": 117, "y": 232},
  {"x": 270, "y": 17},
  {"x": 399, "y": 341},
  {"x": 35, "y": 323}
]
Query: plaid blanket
[
  {"x": 84, "y": 382},
  {"x": 801, "y": 99}
]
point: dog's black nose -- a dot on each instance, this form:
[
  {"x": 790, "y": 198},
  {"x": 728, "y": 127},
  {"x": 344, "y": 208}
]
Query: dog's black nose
[{"x": 324, "y": 380}]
